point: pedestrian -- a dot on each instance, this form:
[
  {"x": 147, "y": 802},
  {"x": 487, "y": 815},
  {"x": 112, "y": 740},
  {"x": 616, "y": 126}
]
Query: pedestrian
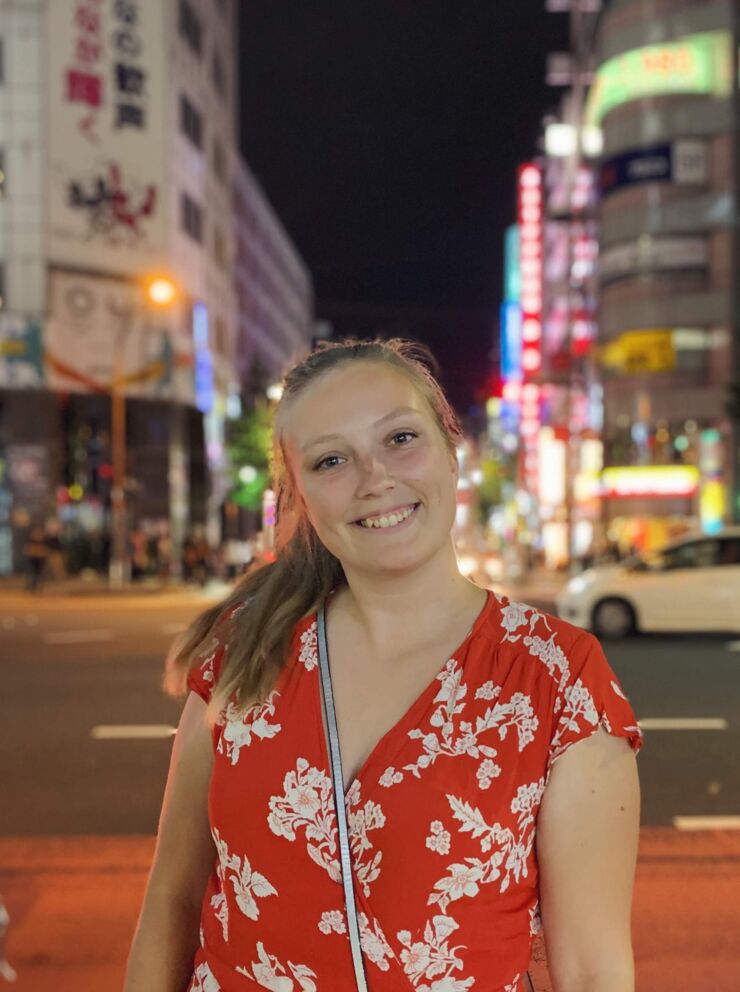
[
  {"x": 36, "y": 551},
  {"x": 472, "y": 818}
]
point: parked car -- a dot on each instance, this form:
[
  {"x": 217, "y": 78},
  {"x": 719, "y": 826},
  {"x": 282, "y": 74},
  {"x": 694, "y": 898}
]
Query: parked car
[{"x": 689, "y": 585}]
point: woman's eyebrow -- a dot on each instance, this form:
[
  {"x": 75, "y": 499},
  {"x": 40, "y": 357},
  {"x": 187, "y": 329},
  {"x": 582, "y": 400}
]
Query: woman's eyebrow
[{"x": 312, "y": 442}]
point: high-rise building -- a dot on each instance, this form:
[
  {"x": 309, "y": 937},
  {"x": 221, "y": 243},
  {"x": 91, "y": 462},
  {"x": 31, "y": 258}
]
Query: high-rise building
[
  {"x": 121, "y": 319},
  {"x": 664, "y": 95}
]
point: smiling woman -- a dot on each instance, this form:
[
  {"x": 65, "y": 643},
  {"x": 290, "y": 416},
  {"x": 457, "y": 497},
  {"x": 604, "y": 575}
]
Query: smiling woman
[{"x": 447, "y": 794}]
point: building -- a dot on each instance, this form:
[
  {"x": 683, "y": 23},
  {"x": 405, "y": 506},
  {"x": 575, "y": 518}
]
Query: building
[
  {"x": 664, "y": 95},
  {"x": 121, "y": 334},
  {"x": 273, "y": 285}
]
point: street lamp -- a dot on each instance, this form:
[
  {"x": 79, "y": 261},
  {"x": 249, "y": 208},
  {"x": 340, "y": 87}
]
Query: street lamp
[{"x": 160, "y": 291}]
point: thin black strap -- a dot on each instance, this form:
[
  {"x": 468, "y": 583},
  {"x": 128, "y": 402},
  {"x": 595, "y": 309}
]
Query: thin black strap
[{"x": 327, "y": 699}]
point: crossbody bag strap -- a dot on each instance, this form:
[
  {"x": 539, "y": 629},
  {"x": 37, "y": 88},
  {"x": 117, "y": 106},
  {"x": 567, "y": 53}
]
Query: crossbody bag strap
[{"x": 327, "y": 700}]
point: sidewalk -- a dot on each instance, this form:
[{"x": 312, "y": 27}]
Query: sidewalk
[
  {"x": 59, "y": 591},
  {"x": 74, "y": 901}
]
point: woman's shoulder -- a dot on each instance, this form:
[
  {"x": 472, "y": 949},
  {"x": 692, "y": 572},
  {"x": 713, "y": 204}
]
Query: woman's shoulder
[{"x": 524, "y": 627}]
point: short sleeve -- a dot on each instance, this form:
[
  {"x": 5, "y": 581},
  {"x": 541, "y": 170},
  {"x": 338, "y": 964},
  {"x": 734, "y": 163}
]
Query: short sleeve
[
  {"x": 588, "y": 697},
  {"x": 205, "y": 670}
]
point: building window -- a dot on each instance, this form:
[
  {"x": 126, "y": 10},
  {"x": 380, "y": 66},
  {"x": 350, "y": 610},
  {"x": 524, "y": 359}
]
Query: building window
[
  {"x": 218, "y": 74},
  {"x": 190, "y": 28},
  {"x": 219, "y": 161},
  {"x": 191, "y": 121},
  {"x": 219, "y": 248},
  {"x": 191, "y": 217}
]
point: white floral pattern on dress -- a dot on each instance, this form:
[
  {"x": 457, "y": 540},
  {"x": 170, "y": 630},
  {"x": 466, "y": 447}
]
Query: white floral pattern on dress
[
  {"x": 204, "y": 980},
  {"x": 462, "y": 738},
  {"x": 360, "y": 820},
  {"x": 390, "y": 777},
  {"x": 241, "y": 725},
  {"x": 508, "y": 859},
  {"x": 372, "y": 938},
  {"x": 432, "y": 958},
  {"x": 245, "y": 882},
  {"x": 439, "y": 838},
  {"x": 309, "y": 653},
  {"x": 578, "y": 704},
  {"x": 308, "y": 802},
  {"x": 269, "y": 973},
  {"x": 333, "y": 921}
]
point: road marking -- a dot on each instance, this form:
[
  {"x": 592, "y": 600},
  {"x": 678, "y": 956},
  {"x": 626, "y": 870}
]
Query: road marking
[
  {"x": 132, "y": 732},
  {"x": 733, "y": 646},
  {"x": 174, "y": 628},
  {"x": 78, "y": 636},
  {"x": 706, "y": 822},
  {"x": 683, "y": 723}
]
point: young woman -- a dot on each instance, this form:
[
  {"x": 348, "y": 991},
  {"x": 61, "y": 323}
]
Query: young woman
[{"x": 473, "y": 820}]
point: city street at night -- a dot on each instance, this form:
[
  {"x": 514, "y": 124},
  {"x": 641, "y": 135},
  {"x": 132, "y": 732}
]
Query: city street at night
[{"x": 366, "y": 309}]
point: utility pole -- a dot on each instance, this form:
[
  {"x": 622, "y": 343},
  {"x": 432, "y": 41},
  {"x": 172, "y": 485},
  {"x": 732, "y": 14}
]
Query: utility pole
[{"x": 734, "y": 399}]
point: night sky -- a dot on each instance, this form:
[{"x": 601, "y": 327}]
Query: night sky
[{"x": 386, "y": 134}]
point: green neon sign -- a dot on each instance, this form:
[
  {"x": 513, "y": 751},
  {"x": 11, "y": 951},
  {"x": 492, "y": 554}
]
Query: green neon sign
[{"x": 698, "y": 63}]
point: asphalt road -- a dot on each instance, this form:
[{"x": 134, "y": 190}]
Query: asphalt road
[{"x": 68, "y": 667}]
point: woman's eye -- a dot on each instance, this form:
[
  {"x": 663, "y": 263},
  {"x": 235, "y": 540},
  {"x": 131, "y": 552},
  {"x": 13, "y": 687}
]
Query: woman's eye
[
  {"x": 404, "y": 434},
  {"x": 319, "y": 466}
]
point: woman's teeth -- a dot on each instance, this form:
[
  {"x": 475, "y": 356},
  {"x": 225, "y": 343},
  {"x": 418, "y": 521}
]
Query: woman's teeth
[{"x": 389, "y": 521}]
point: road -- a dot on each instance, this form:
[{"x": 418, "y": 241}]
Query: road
[{"x": 68, "y": 670}]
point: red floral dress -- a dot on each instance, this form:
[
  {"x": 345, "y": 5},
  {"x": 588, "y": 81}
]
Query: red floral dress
[{"x": 442, "y": 816}]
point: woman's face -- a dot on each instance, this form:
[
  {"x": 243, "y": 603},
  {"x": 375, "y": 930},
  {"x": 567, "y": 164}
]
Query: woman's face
[{"x": 373, "y": 471}]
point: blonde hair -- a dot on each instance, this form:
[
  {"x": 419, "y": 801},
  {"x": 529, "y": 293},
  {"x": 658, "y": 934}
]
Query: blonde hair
[{"x": 279, "y": 594}]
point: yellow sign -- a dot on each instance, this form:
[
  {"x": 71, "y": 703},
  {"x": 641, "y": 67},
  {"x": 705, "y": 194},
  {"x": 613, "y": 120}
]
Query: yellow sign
[{"x": 641, "y": 351}]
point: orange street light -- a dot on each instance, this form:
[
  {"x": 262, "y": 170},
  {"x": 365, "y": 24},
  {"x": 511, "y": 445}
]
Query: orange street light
[{"x": 161, "y": 291}]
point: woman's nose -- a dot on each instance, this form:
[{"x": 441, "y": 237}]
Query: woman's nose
[{"x": 374, "y": 476}]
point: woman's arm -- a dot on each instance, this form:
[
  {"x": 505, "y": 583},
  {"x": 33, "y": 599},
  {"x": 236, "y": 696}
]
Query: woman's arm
[
  {"x": 166, "y": 937},
  {"x": 587, "y": 836}
]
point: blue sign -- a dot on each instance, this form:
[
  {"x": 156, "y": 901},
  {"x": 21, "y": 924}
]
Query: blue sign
[
  {"x": 683, "y": 162},
  {"x": 647, "y": 165},
  {"x": 203, "y": 367},
  {"x": 511, "y": 342}
]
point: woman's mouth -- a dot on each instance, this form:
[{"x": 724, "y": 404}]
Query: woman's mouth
[{"x": 389, "y": 521}]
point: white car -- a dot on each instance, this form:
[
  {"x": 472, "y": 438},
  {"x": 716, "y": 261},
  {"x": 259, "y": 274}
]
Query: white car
[{"x": 690, "y": 585}]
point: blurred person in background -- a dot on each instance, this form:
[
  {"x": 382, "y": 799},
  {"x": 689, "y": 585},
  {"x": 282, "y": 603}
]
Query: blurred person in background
[
  {"x": 474, "y": 820},
  {"x": 36, "y": 552}
]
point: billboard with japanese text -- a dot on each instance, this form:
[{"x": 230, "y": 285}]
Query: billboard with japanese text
[{"x": 107, "y": 127}]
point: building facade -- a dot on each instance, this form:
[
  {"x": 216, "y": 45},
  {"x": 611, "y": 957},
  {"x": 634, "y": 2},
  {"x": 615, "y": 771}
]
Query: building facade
[
  {"x": 120, "y": 328},
  {"x": 664, "y": 96},
  {"x": 273, "y": 285}
]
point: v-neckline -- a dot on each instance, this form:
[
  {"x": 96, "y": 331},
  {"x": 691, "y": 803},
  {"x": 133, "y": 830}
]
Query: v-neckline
[{"x": 421, "y": 699}]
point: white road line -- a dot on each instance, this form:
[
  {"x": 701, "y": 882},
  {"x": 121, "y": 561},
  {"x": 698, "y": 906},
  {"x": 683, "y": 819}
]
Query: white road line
[
  {"x": 132, "y": 732},
  {"x": 683, "y": 723},
  {"x": 174, "y": 628},
  {"x": 706, "y": 822},
  {"x": 78, "y": 636}
]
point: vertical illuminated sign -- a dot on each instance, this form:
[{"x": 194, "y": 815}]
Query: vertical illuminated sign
[{"x": 530, "y": 222}]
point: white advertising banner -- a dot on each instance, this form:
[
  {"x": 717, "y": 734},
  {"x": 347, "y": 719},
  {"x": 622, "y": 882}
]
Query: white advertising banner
[
  {"x": 107, "y": 127},
  {"x": 102, "y": 331}
]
